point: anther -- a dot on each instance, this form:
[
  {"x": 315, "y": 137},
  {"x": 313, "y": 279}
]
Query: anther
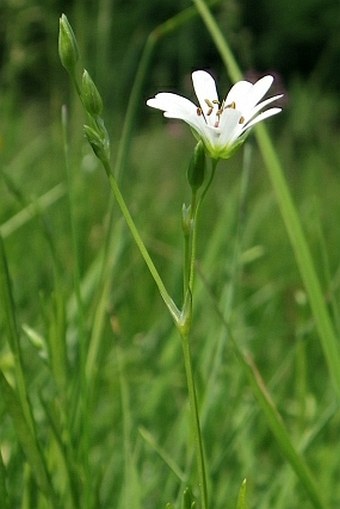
[
  {"x": 199, "y": 112},
  {"x": 209, "y": 112},
  {"x": 209, "y": 103},
  {"x": 232, "y": 105},
  {"x": 241, "y": 121}
]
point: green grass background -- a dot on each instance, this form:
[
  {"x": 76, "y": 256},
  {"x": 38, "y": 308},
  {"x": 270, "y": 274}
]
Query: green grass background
[{"x": 93, "y": 348}]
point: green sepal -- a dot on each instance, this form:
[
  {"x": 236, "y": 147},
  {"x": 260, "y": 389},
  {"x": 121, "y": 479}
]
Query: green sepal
[
  {"x": 196, "y": 170},
  {"x": 98, "y": 141}
]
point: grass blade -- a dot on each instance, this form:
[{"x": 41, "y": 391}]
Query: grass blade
[
  {"x": 273, "y": 418},
  {"x": 13, "y": 335},
  {"x": 3, "y": 487},
  {"x": 26, "y": 438}
]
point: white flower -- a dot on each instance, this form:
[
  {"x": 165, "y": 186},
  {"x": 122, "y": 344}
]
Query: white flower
[{"x": 221, "y": 126}]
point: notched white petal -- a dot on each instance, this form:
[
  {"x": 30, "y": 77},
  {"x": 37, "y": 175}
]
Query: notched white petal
[
  {"x": 260, "y": 88},
  {"x": 168, "y": 101},
  {"x": 230, "y": 126},
  {"x": 205, "y": 90},
  {"x": 262, "y": 105},
  {"x": 238, "y": 92},
  {"x": 263, "y": 116}
]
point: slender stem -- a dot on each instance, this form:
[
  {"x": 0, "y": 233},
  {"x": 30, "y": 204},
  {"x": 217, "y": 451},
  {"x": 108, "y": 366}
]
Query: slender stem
[
  {"x": 195, "y": 210},
  {"x": 189, "y": 219},
  {"x": 190, "y": 238},
  {"x": 174, "y": 311},
  {"x": 195, "y": 421},
  {"x": 186, "y": 262},
  {"x": 219, "y": 39}
]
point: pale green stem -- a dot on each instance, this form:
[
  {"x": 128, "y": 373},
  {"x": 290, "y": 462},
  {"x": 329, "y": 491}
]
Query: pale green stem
[
  {"x": 174, "y": 311},
  {"x": 190, "y": 238},
  {"x": 194, "y": 224},
  {"x": 195, "y": 421}
]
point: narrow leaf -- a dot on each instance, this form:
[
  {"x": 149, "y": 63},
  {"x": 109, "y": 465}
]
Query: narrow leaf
[
  {"x": 242, "y": 496},
  {"x": 25, "y": 436}
]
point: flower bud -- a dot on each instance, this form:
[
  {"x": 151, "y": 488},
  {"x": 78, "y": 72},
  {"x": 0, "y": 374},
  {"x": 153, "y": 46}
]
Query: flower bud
[
  {"x": 98, "y": 141},
  {"x": 196, "y": 170},
  {"x": 91, "y": 97},
  {"x": 67, "y": 45}
]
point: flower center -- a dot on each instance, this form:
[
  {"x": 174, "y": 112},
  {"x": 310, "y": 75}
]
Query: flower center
[{"x": 220, "y": 108}]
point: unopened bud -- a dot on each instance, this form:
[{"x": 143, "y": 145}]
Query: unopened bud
[
  {"x": 67, "y": 45},
  {"x": 91, "y": 97},
  {"x": 196, "y": 170},
  {"x": 98, "y": 141}
]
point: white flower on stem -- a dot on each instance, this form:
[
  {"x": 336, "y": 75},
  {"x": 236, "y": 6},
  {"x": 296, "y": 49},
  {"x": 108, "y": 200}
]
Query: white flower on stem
[{"x": 221, "y": 125}]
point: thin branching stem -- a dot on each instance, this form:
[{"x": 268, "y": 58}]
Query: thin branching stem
[{"x": 172, "y": 308}]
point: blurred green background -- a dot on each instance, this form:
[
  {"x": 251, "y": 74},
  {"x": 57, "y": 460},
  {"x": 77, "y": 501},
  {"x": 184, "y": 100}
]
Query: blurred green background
[
  {"x": 300, "y": 39},
  {"x": 243, "y": 248}
]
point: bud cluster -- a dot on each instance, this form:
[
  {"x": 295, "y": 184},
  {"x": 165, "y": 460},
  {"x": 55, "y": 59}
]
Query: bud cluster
[{"x": 90, "y": 97}]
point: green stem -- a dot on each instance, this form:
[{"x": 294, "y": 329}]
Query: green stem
[
  {"x": 195, "y": 421},
  {"x": 173, "y": 310},
  {"x": 195, "y": 210},
  {"x": 190, "y": 240}
]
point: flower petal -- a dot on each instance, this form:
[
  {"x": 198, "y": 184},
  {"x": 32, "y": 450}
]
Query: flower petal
[
  {"x": 230, "y": 127},
  {"x": 260, "y": 107},
  {"x": 172, "y": 103},
  {"x": 176, "y": 106},
  {"x": 247, "y": 95},
  {"x": 262, "y": 116},
  {"x": 237, "y": 93},
  {"x": 259, "y": 90},
  {"x": 205, "y": 89}
]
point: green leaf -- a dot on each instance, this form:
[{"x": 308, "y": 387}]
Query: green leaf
[
  {"x": 188, "y": 501},
  {"x": 25, "y": 437},
  {"x": 3, "y": 487},
  {"x": 242, "y": 496}
]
